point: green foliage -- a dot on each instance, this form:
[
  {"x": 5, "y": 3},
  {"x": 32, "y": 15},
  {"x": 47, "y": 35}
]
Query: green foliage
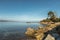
[
  {"x": 59, "y": 19},
  {"x": 51, "y": 17},
  {"x": 50, "y": 14},
  {"x": 46, "y": 20}
]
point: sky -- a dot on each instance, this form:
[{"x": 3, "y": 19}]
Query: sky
[{"x": 27, "y": 10}]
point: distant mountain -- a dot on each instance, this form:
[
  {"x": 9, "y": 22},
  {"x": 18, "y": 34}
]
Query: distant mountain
[
  {"x": 6, "y": 21},
  {"x": 3, "y": 20}
]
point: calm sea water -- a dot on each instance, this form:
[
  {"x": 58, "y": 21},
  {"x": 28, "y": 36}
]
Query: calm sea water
[{"x": 8, "y": 28}]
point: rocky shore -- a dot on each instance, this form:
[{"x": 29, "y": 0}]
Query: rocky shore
[{"x": 48, "y": 32}]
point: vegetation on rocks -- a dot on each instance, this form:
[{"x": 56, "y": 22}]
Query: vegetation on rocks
[{"x": 51, "y": 17}]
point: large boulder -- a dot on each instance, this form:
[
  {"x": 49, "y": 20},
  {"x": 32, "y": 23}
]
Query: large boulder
[
  {"x": 30, "y": 32},
  {"x": 49, "y": 37}
]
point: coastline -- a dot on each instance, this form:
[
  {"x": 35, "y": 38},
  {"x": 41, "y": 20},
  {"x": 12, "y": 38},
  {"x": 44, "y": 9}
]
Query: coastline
[{"x": 39, "y": 33}]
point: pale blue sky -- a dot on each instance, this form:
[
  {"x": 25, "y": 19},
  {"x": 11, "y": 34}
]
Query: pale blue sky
[{"x": 27, "y": 10}]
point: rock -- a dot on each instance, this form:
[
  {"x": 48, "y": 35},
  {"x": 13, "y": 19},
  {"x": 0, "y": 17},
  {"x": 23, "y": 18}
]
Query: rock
[
  {"x": 39, "y": 36},
  {"x": 30, "y": 32},
  {"x": 56, "y": 36},
  {"x": 49, "y": 37}
]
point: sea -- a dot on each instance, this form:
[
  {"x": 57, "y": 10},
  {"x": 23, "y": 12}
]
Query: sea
[{"x": 15, "y": 30}]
